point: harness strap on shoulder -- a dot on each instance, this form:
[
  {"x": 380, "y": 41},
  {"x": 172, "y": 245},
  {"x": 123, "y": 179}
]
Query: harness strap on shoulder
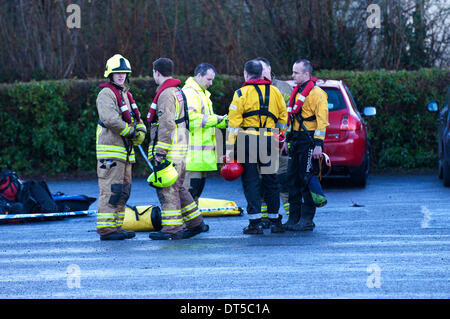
[
  {"x": 263, "y": 107},
  {"x": 185, "y": 118}
]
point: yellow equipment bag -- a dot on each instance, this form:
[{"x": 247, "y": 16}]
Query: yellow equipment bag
[
  {"x": 142, "y": 218},
  {"x": 218, "y": 207},
  {"x": 148, "y": 218}
]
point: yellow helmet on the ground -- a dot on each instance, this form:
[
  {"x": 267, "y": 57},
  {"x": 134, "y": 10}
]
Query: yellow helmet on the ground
[
  {"x": 117, "y": 64},
  {"x": 164, "y": 175}
]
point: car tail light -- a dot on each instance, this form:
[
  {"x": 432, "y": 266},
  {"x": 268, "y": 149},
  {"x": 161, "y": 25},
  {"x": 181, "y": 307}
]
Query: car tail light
[{"x": 350, "y": 123}]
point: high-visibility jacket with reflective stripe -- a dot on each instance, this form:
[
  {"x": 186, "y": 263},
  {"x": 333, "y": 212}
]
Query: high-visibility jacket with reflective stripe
[
  {"x": 246, "y": 99},
  {"x": 202, "y": 128},
  {"x": 112, "y": 130},
  {"x": 316, "y": 103},
  {"x": 172, "y": 138}
]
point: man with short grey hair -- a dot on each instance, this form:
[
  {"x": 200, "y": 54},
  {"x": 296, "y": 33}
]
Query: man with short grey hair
[{"x": 201, "y": 157}]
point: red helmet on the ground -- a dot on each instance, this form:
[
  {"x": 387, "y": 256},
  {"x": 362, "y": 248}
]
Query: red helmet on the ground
[{"x": 231, "y": 171}]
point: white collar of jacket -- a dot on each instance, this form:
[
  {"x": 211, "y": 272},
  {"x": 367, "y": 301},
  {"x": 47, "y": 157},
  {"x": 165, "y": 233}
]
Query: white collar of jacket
[{"x": 191, "y": 83}]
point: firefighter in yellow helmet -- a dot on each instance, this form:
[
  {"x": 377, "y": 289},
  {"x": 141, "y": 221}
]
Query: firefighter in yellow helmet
[{"x": 119, "y": 128}]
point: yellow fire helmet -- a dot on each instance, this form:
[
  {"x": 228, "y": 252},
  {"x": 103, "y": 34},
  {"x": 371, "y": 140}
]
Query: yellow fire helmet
[
  {"x": 164, "y": 175},
  {"x": 117, "y": 64}
]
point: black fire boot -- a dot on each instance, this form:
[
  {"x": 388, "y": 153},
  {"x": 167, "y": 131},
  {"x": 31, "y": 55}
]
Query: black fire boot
[
  {"x": 116, "y": 235},
  {"x": 128, "y": 233},
  {"x": 306, "y": 220},
  {"x": 294, "y": 217},
  {"x": 276, "y": 226},
  {"x": 160, "y": 235},
  {"x": 190, "y": 232},
  {"x": 254, "y": 227},
  {"x": 265, "y": 223}
]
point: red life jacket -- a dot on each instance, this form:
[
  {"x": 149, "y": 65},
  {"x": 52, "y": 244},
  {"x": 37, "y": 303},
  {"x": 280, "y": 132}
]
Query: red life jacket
[
  {"x": 294, "y": 107},
  {"x": 152, "y": 110},
  {"x": 122, "y": 105}
]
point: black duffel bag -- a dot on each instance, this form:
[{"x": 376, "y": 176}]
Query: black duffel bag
[{"x": 36, "y": 198}]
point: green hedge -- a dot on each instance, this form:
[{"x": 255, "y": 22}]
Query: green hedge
[{"x": 48, "y": 128}]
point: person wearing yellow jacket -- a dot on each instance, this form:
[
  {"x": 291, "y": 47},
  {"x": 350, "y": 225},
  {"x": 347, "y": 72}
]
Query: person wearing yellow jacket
[
  {"x": 119, "y": 128},
  {"x": 308, "y": 105},
  {"x": 202, "y": 157},
  {"x": 256, "y": 111}
]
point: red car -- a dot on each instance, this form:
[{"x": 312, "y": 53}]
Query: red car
[{"x": 346, "y": 141}]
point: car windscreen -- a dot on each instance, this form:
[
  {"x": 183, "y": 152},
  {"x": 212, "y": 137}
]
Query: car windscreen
[{"x": 335, "y": 99}]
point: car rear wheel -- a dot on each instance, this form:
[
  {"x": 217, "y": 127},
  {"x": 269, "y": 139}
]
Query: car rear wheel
[
  {"x": 359, "y": 175},
  {"x": 446, "y": 173}
]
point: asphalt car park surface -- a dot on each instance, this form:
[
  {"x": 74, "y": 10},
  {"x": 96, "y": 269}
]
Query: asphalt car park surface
[{"x": 387, "y": 240}]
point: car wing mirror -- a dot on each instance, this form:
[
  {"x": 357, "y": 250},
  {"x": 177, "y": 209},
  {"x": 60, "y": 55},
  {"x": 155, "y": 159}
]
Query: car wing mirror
[
  {"x": 433, "y": 106},
  {"x": 369, "y": 111}
]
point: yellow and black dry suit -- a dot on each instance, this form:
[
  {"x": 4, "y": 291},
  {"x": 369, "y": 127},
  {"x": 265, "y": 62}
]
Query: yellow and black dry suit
[
  {"x": 314, "y": 116},
  {"x": 255, "y": 112}
]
